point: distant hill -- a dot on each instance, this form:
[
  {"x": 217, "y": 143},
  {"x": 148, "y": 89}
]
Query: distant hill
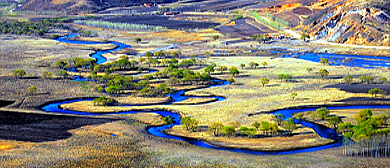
[
  {"x": 354, "y": 22},
  {"x": 363, "y": 22},
  {"x": 81, "y": 6}
]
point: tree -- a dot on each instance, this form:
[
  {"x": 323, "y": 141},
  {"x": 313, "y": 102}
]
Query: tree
[
  {"x": 32, "y": 90},
  {"x": 348, "y": 79},
  {"x": 344, "y": 127},
  {"x": 186, "y": 122},
  {"x": 293, "y": 95},
  {"x": 305, "y": 36},
  {"x": 103, "y": 101},
  {"x": 209, "y": 69},
  {"x": 208, "y": 54},
  {"x": 264, "y": 81},
  {"x": 363, "y": 115},
  {"x": 334, "y": 121},
  {"x": 260, "y": 37},
  {"x": 256, "y": 125},
  {"x": 309, "y": 69},
  {"x": 264, "y": 64},
  {"x": 148, "y": 54},
  {"x": 286, "y": 77},
  {"x": 242, "y": 66},
  {"x": 289, "y": 125},
  {"x": 322, "y": 112},
  {"x": 234, "y": 71},
  {"x": 46, "y": 74},
  {"x": 215, "y": 37},
  {"x": 368, "y": 79},
  {"x": 215, "y": 127},
  {"x": 324, "y": 61},
  {"x": 137, "y": 40},
  {"x": 323, "y": 73},
  {"x": 279, "y": 118},
  {"x": 230, "y": 80},
  {"x": 221, "y": 68},
  {"x": 168, "y": 120},
  {"x": 18, "y": 73},
  {"x": 265, "y": 126},
  {"x": 374, "y": 92},
  {"x": 61, "y": 64},
  {"x": 62, "y": 74},
  {"x": 253, "y": 65},
  {"x": 382, "y": 80},
  {"x": 229, "y": 130},
  {"x": 141, "y": 60},
  {"x": 247, "y": 131}
]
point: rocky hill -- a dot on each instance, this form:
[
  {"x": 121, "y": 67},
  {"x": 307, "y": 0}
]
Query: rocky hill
[
  {"x": 353, "y": 22},
  {"x": 363, "y": 22}
]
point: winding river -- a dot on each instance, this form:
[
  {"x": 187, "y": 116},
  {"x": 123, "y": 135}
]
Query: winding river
[{"x": 178, "y": 96}]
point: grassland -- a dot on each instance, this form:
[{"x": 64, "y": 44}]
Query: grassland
[
  {"x": 303, "y": 138},
  {"x": 94, "y": 145},
  {"x": 126, "y": 142}
]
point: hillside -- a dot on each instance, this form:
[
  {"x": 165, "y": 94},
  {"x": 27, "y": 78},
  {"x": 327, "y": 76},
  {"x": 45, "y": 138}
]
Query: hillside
[
  {"x": 363, "y": 22},
  {"x": 81, "y": 6},
  {"x": 354, "y": 22}
]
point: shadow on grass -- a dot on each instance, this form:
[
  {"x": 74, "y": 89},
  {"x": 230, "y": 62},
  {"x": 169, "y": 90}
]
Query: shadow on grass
[{"x": 41, "y": 127}]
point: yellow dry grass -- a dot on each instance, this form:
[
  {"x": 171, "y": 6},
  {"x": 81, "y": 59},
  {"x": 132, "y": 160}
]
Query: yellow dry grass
[
  {"x": 191, "y": 101},
  {"x": 142, "y": 100},
  {"x": 153, "y": 119},
  {"x": 308, "y": 139}
]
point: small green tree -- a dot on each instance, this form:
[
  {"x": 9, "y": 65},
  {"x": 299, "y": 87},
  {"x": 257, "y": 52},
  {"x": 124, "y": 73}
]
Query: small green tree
[
  {"x": 141, "y": 60},
  {"x": 148, "y": 54},
  {"x": 322, "y": 112},
  {"x": 309, "y": 69},
  {"x": 323, "y": 73},
  {"x": 264, "y": 81},
  {"x": 32, "y": 90},
  {"x": 19, "y": 73},
  {"x": 62, "y": 74},
  {"x": 208, "y": 54},
  {"x": 265, "y": 126},
  {"x": 279, "y": 118},
  {"x": 242, "y": 66},
  {"x": 229, "y": 130},
  {"x": 324, "y": 61},
  {"x": 305, "y": 36},
  {"x": 137, "y": 40},
  {"x": 382, "y": 80},
  {"x": 293, "y": 95},
  {"x": 46, "y": 74},
  {"x": 215, "y": 37},
  {"x": 234, "y": 71},
  {"x": 256, "y": 125},
  {"x": 289, "y": 125},
  {"x": 209, "y": 69},
  {"x": 348, "y": 79},
  {"x": 230, "y": 80},
  {"x": 168, "y": 120},
  {"x": 363, "y": 115},
  {"x": 61, "y": 64},
  {"x": 215, "y": 127},
  {"x": 334, "y": 121},
  {"x": 374, "y": 92},
  {"x": 264, "y": 64}
]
